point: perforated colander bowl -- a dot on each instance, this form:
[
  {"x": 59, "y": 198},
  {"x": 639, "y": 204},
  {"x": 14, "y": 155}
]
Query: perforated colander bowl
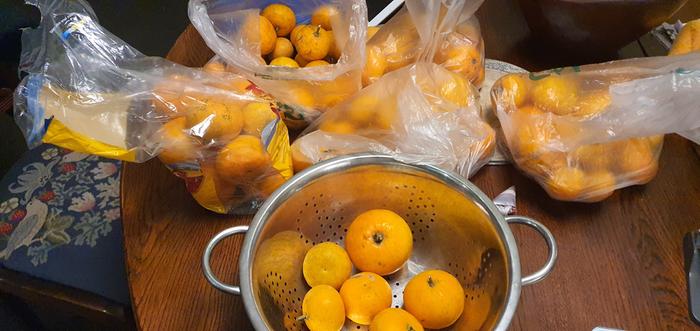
[{"x": 455, "y": 228}]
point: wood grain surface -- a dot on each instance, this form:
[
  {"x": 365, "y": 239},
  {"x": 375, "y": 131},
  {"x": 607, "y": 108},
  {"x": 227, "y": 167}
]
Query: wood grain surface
[{"x": 620, "y": 262}]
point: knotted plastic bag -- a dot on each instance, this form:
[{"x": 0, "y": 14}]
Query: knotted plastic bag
[
  {"x": 89, "y": 91},
  {"x": 444, "y": 32},
  {"x": 421, "y": 114},
  {"x": 583, "y": 132}
]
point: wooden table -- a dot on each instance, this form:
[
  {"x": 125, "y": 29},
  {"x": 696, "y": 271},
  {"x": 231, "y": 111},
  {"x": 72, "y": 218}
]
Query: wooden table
[{"x": 620, "y": 261}]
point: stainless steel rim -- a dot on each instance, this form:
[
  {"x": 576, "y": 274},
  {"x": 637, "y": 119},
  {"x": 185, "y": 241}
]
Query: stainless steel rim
[
  {"x": 551, "y": 246},
  {"x": 206, "y": 259},
  {"x": 345, "y": 162}
]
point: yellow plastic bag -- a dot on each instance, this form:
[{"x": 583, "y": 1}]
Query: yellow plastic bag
[{"x": 88, "y": 91}]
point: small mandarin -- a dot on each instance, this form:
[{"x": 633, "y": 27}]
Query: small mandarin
[{"x": 364, "y": 296}]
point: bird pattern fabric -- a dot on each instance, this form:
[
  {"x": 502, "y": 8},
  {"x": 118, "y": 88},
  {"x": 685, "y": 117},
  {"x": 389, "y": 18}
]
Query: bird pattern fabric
[{"x": 60, "y": 198}]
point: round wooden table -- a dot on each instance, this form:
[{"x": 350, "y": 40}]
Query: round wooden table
[{"x": 620, "y": 261}]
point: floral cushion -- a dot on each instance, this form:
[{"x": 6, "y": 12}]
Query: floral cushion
[{"x": 60, "y": 220}]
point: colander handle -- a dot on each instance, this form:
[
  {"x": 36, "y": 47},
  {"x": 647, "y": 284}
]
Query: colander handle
[
  {"x": 206, "y": 265},
  {"x": 551, "y": 245}
]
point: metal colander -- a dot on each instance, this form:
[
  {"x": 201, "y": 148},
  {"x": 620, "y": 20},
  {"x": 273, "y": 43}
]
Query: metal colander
[{"x": 455, "y": 228}]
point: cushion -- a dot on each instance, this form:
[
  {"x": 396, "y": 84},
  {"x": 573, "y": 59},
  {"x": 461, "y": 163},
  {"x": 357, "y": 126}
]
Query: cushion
[{"x": 60, "y": 220}]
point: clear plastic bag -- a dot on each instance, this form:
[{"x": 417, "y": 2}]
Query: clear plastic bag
[
  {"x": 89, "y": 91},
  {"x": 421, "y": 114},
  {"x": 225, "y": 26},
  {"x": 583, "y": 132},
  {"x": 444, "y": 32}
]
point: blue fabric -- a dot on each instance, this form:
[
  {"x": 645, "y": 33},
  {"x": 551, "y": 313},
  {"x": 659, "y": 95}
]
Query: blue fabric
[{"x": 60, "y": 220}]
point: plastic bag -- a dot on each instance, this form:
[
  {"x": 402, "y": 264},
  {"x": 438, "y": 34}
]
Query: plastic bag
[
  {"x": 225, "y": 26},
  {"x": 421, "y": 114},
  {"x": 444, "y": 32},
  {"x": 89, "y": 91},
  {"x": 583, "y": 132}
]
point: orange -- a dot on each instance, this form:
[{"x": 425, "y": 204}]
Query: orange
[
  {"x": 379, "y": 241},
  {"x": 240, "y": 85},
  {"x": 375, "y": 65},
  {"x": 295, "y": 31},
  {"x": 301, "y": 96},
  {"x": 323, "y": 309},
  {"x": 386, "y": 114},
  {"x": 244, "y": 158},
  {"x": 371, "y": 31},
  {"x": 214, "y": 67},
  {"x": 515, "y": 88},
  {"x": 599, "y": 186},
  {"x": 267, "y": 185},
  {"x": 338, "y": 90},
  {"x": 655, "y": 142},
  {"x": 256, "y": 116},
  {"x": 486, "y": 146},
  {"x": 364, "y": 296},
  {"x": 334, "y": 51},
  {"x": 335, "y": 126},
  {"x": 530, "y": 111},
  {"x": 477, "y": 307},
  {"x": 216, "y": 121},
  {"x": 268, "y": 37},
  {"x": 545, "y": 164},
  {"x": 555, "y": 94},
  {"x": 395, "y": 319},
  {"x": 456, "y": 90},
  {"x": 592, "y": 104},
  {"x": 178, "y": 145},
  {"x": 362, "y": 109},
  {"x": 531, "y": 136},
  {"x": 317, "y": 63},
  {"x": 327, "y": 264},
  {"x": 283, "y": 48},
  {"x": 435, "y": 298},
  {"x": 594, "y": 157},
  {"x": 462, "y": 59},
  {"x": 312, "y": 42},
  {"x": 323, "y": 16},
  {"x": 284, "y": 62},
  {"x": 637, "y": 161},
  {"x": 400, "y": 48},
  {"x": 566, "y": 183},
  {"x": 166, "y": 96},
  {"x": 687, "y": 40},
  {"x": 301, "y": 60},
  {"x": 281, "y": 17}
]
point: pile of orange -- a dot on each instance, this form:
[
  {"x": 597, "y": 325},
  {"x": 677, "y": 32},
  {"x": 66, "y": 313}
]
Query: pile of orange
[
  {"x": 286, "y": 44},
  {"x": 397, "y": 44},
  {"x": 378, "y": 243},
  {"x": 216, "y": 139},
  {"x": 588, "y": 173},
  {"x": 373, "y": 113}
]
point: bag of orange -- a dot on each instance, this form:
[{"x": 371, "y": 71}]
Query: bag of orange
[
  {"x": 443, "y": 32},
  {"x": 89, "y": 91},
  {"x": 584, "y": 132},
  {"x": 260, "y": 39},
  {"x": 420, "y": 114},
  {"x": 232, "y": 149}
]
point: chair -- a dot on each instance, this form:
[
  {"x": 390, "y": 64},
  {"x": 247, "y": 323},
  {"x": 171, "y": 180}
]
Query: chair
[{"x": 61, "y": 248}]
